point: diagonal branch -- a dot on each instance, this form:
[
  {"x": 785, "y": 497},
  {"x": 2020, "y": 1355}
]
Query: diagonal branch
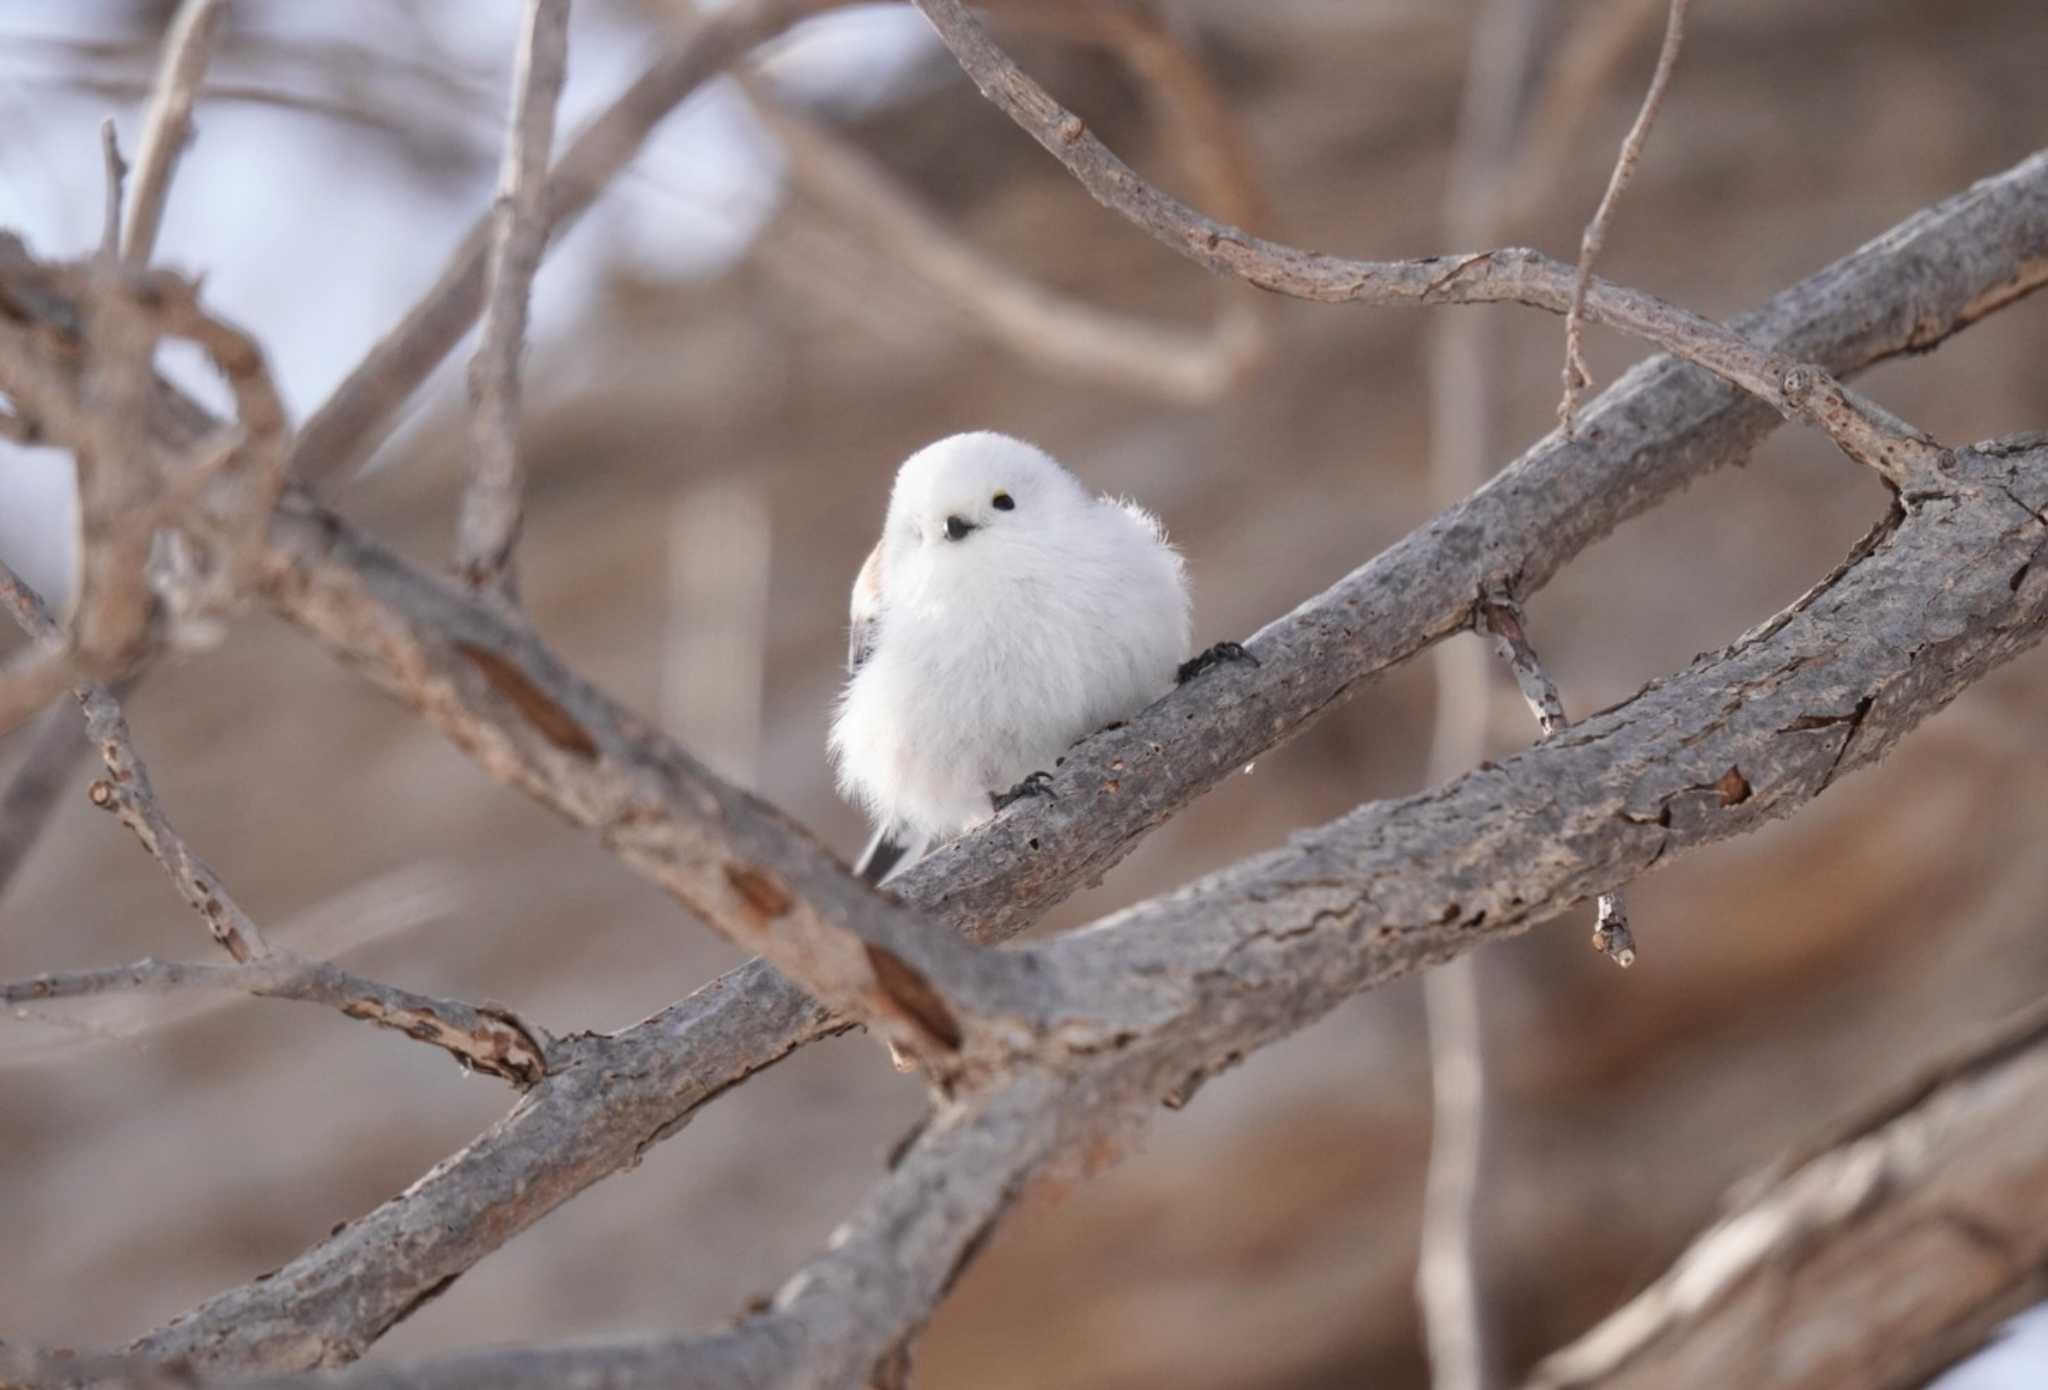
[
  {"x": 491, "y": 506},
  {"x": 1930, "y": 1207},
  {"x": 1937, "y": 596},
  {"x": 56, "y": 745},
  {"x": 1662, "y": 426},
  {"x": 500, "y": 695},
  {"x": 1511, "y": 275}
]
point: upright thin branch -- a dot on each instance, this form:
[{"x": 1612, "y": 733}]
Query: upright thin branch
[
  {"x": 117, "y": 174},
  {"x": 492, "y": 504},
  {"x": 187, "y": 47},
  {"x": 1575, "y": 375},
  {"x": 1508, "y": 48}
]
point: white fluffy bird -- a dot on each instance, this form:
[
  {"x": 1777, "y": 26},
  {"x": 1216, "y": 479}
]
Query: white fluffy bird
[{"x": 1005, "y": 614}]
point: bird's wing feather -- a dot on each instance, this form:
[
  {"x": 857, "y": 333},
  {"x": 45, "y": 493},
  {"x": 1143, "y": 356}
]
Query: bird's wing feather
[{"x": 864, "y": 610}]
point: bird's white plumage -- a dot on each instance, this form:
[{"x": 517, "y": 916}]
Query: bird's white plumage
[{"x": 980, "y": 659}]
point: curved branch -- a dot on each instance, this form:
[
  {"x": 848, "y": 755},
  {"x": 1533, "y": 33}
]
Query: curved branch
[
  {"x": 1662, "y": 426},
  {"x": 1515, "y": 275},
  {"x": 487, "y": 1039}
]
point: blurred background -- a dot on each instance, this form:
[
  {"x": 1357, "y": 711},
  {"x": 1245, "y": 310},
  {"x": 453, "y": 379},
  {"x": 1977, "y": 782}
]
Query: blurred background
[{"x": 729, "y": 361}]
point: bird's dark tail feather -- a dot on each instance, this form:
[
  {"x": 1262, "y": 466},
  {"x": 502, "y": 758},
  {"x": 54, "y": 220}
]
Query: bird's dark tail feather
[{"x": 887, "y": 852}]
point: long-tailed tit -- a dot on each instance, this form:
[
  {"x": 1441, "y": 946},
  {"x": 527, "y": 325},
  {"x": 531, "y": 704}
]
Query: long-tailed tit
[{"x": 1005, "y": 613}]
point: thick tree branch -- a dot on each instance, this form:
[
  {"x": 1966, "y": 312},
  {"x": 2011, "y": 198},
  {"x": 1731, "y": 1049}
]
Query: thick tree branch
[
  {"x": 1663, "y": 425},
  {"x": 493, "y": 503},
  {"x": 348, "y": 425},
  {"x": 1513, "y": 275},
  {"x": 848, "y": 1310},
  {"x": 487, "y": 1039},
  {"x": 1938, "y": 595},
  {"x": 1930, "y": 1209},
  {"x": 1154, "y": 999},
  {"x": 168, "y": 127}
]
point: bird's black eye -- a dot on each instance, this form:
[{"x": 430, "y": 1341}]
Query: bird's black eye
[{"x": 1004, "y": 502}]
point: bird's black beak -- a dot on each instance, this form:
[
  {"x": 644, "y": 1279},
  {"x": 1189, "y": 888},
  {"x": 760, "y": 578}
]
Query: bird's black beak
[{"x": 957, "y": 528}]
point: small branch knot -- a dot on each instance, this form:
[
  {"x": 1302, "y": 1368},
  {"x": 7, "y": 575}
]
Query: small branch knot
[{"x": 1797, "y": 384}]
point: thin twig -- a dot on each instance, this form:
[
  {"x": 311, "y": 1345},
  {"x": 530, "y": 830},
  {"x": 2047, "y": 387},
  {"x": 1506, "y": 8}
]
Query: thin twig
[
  {"x": 187, "y": 46},
  {"x": 1587, "y": 54},
  {"x": 492, "y": 504},
  {"x": 117, "y": 174},
  {"x": 1501, "y": 616},
  {"x": 1507, "y": 275},
  {"x": 486, "y": 1039},
  {"x": 1576, "y": 376},
  {"x": 494, "y": 1042},
  {"x": 127, "y": 791}
]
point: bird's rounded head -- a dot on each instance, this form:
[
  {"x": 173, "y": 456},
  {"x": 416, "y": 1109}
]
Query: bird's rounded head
[{"x": 968, "y": 486}]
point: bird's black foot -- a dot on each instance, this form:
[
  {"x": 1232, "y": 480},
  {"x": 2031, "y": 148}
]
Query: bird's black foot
[
  {"x": 1037, "y": 784},
  {"x": 1215, "y": 656}
]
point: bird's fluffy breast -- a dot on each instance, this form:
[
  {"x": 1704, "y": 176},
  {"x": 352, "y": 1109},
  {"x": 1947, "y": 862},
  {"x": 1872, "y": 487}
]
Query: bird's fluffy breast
[{"x": 1003, "y": 657}]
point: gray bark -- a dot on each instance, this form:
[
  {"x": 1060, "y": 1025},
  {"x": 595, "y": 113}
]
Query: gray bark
[{"x": 1662, "y": 425}]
